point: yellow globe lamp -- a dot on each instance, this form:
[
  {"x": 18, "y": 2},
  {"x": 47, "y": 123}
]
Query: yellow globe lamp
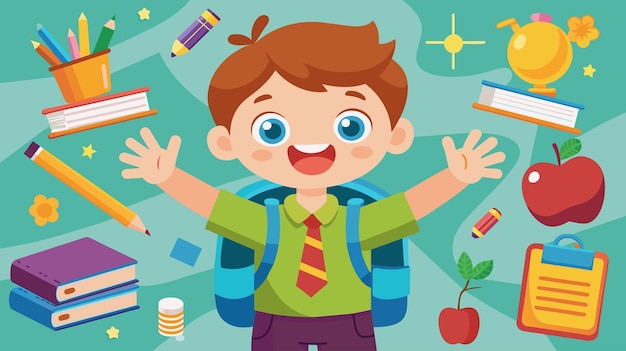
[{"x": 539, "y": 53}]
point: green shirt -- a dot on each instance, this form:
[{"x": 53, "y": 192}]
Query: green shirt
[{"x": 245, "y": 222}]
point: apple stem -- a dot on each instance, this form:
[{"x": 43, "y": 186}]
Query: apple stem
[
  {"x": 558, "y": 154},
  {"x": 458, "y": 306},
  {"x": 465, "y": 288}
]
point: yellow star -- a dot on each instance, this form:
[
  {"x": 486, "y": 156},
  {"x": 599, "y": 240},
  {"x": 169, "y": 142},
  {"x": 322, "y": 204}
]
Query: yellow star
[
  {"x": 144, "y": 14},
  {"x": 113, "y": 333},
  {"x": 589, "y": 70},
  {"x": 88, "y": 151}
]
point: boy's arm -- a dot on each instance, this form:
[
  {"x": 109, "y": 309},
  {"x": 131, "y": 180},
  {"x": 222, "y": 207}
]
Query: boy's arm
[
  {"x": 224, "y": 211},
  {"x": 428, "y": 195},
  {"x": 158, "y": 166},
  {"x": 466, "y": 165},
  {"x": 190, "y": 191},
  {"x": 394, "y": 217}
]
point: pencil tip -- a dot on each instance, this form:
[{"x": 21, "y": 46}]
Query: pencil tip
[
  {"x": 173, "y": 54},
  {"x": 148, "y": 232},
  {"x": 69, "y": 32},
  {"x": 113, "y": 18},
  {"x": 82, "y": 15},
  {"x": 35, "y": 44},
  {"x": 39, "y": 26}
]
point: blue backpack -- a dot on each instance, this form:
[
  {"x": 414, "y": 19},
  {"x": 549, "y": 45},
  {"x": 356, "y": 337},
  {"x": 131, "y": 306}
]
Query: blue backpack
[{"x": 236, "y": 278}]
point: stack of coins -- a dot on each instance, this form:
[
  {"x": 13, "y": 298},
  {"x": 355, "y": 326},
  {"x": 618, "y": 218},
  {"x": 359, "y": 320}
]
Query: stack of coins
[{"x": 171, "y": 316}]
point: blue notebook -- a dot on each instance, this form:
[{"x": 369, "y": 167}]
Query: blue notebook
[{"x": 76, "y": 312}]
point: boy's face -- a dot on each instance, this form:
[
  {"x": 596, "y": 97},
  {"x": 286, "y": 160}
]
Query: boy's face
[{"x": 308, "y": 140}]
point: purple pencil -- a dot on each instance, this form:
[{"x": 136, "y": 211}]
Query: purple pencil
[{"x": 192, "y": 35}]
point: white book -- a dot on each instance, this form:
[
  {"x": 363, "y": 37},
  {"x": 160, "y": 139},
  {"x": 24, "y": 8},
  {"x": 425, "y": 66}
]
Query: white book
[
  {"x": 529, "y": 107},
  {"x": 89, "y": 110},
  {"x": 98, "y": 112}
]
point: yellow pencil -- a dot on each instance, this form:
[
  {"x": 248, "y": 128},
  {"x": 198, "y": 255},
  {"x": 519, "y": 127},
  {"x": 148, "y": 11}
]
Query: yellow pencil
[
  {"x": 83, "y": 35},
  {"x": 84, "y": 187}
]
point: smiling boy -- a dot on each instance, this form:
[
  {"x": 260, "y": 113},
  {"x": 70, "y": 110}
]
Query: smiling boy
[{"x": 310, "y": 106}]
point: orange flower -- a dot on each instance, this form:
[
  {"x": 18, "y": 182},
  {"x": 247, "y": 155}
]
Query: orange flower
[
  {"x": 582, "y": 31},
  {"x": 44, "y": 210}
]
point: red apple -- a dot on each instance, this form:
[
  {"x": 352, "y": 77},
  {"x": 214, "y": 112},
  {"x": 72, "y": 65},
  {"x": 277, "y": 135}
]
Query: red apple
[
  {"x": 459, "y": 326},
  {"x": 568, "y": 192}
]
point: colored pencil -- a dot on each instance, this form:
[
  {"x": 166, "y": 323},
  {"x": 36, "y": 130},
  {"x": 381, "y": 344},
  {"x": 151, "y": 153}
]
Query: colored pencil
[
  {"x": 45, "y": 53},
  {"x": 84, "y": 187},
  {"x": 196, "y": 31},
  {"x": 485, "y": 224},
  {"x": 71, "y": 40},
  {"x": 83, "y": 35},
  {"x": 54, "y": 45},
  {"x": 104, "y": 39}
]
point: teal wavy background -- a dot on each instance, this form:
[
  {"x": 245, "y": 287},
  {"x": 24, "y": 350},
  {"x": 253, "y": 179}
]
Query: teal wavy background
[{"x": 439, "y": 104}]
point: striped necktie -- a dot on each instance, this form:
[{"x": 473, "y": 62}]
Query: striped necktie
[{"x": 312, "y": 274}]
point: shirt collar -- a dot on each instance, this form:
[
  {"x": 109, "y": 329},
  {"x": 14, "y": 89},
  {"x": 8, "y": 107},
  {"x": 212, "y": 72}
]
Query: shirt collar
[{"x": 324, "y": 214}]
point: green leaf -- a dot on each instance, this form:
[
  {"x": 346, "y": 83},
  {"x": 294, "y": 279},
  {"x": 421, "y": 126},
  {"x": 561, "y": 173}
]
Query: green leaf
[
  {"x": 570, "y": 148},
  {"x": 483, "y": 269},
  {"x": 465, "y": 266}
]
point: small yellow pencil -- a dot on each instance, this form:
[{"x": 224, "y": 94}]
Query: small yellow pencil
[
  {"x": 83, "y": 35},
  {"x": 84, "y": 187}
]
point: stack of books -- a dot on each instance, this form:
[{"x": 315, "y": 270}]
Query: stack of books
[{"x": 73, "y": 283}]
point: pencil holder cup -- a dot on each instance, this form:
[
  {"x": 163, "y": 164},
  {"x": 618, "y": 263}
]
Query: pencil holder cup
[{"x": 85, "y": 77}]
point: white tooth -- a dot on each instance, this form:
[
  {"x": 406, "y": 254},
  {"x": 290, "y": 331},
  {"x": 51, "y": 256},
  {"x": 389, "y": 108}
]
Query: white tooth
[{"x": 311, "y": 148}]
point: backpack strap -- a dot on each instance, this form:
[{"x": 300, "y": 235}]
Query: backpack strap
[
  {"x": 354, "y": 242},
  {"x": 271, "y": 242}
]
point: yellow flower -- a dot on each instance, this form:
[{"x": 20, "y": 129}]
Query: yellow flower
[
  {"x": 582, "y": 31},
  {"x": 44, "y": 210}
]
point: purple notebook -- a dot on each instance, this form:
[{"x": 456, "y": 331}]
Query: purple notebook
[{"x": 67, "y": 272}]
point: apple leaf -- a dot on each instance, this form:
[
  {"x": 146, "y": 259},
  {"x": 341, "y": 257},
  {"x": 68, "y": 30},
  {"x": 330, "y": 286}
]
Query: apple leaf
[
  {"x": 465, "y": 266},
  {"x": 570, "y": 148},
  {"x": 483, "y": 269}
]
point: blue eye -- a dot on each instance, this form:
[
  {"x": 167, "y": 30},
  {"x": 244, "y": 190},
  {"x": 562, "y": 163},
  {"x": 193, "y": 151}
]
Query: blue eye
[
  {"x": 270, "y": 129},
  {"x": 352, "y": 126}
]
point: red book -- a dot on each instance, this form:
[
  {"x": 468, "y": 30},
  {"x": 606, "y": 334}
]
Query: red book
[
  {"x": 98, "y": 112},
  {"x": 73, "y": 270}
]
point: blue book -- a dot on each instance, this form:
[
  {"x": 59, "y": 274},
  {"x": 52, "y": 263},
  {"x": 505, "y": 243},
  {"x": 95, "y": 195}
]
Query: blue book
[
  {"x": 76, "y": 312},
  {"x": 535, "y": 108}
]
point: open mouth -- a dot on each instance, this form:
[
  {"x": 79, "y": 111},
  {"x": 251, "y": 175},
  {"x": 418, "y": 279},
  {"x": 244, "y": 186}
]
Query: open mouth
[{"x": 311, "y": 159}]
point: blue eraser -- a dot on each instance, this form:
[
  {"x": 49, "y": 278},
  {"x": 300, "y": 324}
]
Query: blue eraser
[{"x": 185, "y": 252}]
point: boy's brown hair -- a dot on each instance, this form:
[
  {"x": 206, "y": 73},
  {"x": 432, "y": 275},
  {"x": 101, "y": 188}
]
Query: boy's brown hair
[{"x": 308, "y": 55}]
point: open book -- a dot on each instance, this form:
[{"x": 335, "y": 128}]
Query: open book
[
  {"x": 98, "y": 112},
  {"x": 529, "y": 107}
]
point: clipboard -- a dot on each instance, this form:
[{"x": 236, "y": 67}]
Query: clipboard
[{"x": 562, "y": 290}]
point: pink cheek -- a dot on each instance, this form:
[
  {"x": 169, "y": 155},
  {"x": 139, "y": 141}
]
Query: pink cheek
[
  {"x": 362, "y": 152},
  {"x": 261, "y": 155}
]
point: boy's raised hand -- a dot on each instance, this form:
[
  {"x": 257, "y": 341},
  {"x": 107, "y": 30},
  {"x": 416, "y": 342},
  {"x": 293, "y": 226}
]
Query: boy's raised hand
[
  {"x": 154, "y": 164},
  {"x": 467, "y": 164}
]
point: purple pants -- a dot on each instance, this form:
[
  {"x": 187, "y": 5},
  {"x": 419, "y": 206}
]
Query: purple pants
[{"x": 334, "y": 333}]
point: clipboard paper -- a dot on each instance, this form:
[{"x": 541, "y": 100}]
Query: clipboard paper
[{"x": 562, "y": 291}]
